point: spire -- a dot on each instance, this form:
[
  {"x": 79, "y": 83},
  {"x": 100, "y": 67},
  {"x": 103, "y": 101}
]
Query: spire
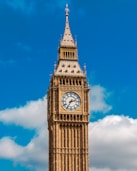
[{"x": 67, "y": 40}]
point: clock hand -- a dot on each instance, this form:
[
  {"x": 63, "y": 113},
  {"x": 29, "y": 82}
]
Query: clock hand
[
  {"x": 72, "y": 100},
  {"x": 69, "y": 103}
]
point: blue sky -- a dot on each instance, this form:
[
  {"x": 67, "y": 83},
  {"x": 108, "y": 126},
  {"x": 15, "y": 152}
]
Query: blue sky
[{"x": 106, "y": 32}]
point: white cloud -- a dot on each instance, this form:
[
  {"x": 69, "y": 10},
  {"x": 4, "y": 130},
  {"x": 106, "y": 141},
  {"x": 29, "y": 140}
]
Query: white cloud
[
  {"x": 112, "y": 146},
  {"x": 34, "y": 155},
  {"x": 32, "y": 115},
  {"x": 98, "y": 97},
  {"x": 9, "y": 149},
  {"x": 113, "y": 143},
  {"x": 99, "y": 169}
]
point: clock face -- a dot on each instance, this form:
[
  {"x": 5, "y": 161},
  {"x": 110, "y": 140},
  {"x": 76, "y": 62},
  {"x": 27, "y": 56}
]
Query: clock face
[{"x": 71, "y": 101}]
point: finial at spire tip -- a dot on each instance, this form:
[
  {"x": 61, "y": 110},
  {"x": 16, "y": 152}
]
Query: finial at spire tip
[{"x": 67, "y": 10}]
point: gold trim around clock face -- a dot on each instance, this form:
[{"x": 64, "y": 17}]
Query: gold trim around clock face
[{"x": 71, "y": 101}]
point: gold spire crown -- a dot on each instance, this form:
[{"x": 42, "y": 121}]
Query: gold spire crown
[{"x": 67, "y": 40}]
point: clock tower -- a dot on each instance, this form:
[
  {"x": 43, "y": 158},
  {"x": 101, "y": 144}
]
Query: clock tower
[{"x": 68, "y": 109}]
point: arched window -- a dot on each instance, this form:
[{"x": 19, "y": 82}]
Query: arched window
[{"x": 63, "y": 82}]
